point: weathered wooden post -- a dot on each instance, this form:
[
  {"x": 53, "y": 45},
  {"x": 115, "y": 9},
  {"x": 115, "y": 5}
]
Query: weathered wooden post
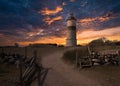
[
  {"x": 21, "y": 73},
  {"x": 25, "y": 52},
  {"x": 89, "y": 49},
  {"x": 37, "y": 67},
  {"x": 119, "y": 52},
  {"x": 35, "y": 56},
  {"x": 76, "y": 56},
  {"x": 2, "y": 50},
  {"x": 38, "y": 76}
]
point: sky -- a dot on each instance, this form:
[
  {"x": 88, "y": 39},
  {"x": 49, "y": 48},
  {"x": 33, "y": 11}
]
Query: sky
[{"x": 44, "y": 21}]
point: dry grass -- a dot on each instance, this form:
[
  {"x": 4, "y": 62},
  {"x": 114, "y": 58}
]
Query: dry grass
[
  {"x": 107, "y": 75},
  {"x": 41, "y": 51},
  {"x": 9, "y": 75},
  {"x": 70, "y": 55}
]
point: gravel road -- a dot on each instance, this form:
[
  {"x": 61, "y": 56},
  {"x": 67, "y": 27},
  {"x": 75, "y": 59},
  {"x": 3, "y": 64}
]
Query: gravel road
[{"x": 61, "y": 74}]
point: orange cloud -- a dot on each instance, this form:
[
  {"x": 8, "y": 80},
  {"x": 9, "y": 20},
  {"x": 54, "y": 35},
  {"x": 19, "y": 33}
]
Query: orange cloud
[
  {"x": 49, "y": 20},
  {"x": 87, "y": 21},
  {"x": 72, "y": 0},
  {"x": 46, "y": 11},
  {"x": 36, "y": 32}
]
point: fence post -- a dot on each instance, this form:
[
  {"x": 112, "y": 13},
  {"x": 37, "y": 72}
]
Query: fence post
[
  {"x": 76, "y": 56},
  {"x": 21, "y": 71},
  {"x": 25, "y": 52},
  {"x": 2, "y": 50},
  {"x": 39, "y": 75},
  {"x": 35, "y": 56},
  {"x": 38, "y": 68}
]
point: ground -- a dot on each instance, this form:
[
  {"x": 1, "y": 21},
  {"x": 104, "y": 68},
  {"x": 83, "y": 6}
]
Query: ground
[
  {"x": 9, "y": 75},
  {"x": 62, "y": 74}
]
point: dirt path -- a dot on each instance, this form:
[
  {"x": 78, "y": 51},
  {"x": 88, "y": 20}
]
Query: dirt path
[{"x": 62, "y": 74}]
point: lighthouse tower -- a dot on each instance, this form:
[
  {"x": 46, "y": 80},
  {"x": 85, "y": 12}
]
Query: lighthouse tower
[{"x": 71, "y": 31}]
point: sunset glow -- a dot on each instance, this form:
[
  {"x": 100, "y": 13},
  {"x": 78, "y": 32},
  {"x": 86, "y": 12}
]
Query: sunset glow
[
  {"x": 83, "y": 37},
  {"x": 44, "y": 21}
]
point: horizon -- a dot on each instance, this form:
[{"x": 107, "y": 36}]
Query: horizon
[
  {"x": 85, "y": 44},
  {"x": 28, "y": 22}
]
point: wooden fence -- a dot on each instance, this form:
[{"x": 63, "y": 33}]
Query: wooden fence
[
  {"x": 111, "y": 57},
  {"x": 30, "y": 68},
  {"x": 31, "y": 72}
]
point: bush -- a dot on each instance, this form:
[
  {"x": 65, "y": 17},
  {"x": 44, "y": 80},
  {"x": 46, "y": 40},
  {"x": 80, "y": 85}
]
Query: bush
[{"x": 70, "y": 56}]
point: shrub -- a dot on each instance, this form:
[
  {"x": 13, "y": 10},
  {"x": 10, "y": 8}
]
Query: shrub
[{"x": 70, "y": 56}]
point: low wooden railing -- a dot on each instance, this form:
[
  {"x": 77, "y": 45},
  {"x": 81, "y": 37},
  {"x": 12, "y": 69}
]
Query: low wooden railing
[{"x": 31, "y": 72}]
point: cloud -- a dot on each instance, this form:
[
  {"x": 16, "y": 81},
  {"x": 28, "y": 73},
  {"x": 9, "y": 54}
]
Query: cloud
[
  {"x": 63, "y": 4},
  {"x": 49, "y": 20},
  {"x": 30, "y": 20},
  {"x": 100, "y": 19},
  {"x": 98, "y": 22},
  {"x": 47, "y": 11},
  {"x": 6, "y": 40},
  {"x": 88, "y": 35},
  {"x": 35, "y": 32},
  {"x": 72, "y": 0}
]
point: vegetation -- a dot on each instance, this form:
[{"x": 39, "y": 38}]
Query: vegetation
[
  {"x": 108, "y": 75},
  {"x": 70, "y": 56},
  {"x": 3, "y": 71},
  {"x": 9, "y": 76},
  {"x": 103, "y": 42}
]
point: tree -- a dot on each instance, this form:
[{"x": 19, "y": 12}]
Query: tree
[{"x": 16, "y": 45}]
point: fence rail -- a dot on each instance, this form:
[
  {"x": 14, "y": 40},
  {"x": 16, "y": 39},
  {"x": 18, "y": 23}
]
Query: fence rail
[
  {"x": 108, "y": 57},
  {"x": 31, "y": 72},
  {"x": 29, "y": 68}
]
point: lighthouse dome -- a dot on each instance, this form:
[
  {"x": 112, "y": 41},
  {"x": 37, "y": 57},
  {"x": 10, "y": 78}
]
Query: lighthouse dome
[{"x": 71, "y": 17}]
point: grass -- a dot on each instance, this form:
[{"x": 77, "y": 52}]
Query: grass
[
  {"x": 107, "y": 75},
  {"x": 8, "y": 75},
  {"x": 41, "y": 51},
  {"x": 3, "y": 70},
  {"x": 70, "y": 56},
  {"x": 100, "y": 48}
]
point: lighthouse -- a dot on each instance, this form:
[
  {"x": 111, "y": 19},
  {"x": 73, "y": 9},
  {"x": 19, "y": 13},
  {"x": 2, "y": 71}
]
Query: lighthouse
[{"x": 71, "y": 31}]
